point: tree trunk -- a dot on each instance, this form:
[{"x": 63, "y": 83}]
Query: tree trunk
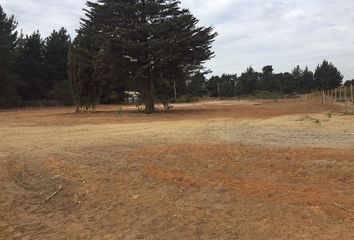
[
  {"x": 149, "y": 96},
  {"x": 77, "y": 108}
]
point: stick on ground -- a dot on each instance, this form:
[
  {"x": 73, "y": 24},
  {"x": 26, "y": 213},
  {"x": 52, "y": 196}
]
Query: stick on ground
[
  {"x": 343, "y": 207},
  {"x": 54, "y": 194}
]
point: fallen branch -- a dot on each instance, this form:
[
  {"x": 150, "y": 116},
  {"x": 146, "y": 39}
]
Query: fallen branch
[
  {"x": 77, "y": 201},
  {"x": 343, "y": 207},
  {"x": 54, "y": 194}
]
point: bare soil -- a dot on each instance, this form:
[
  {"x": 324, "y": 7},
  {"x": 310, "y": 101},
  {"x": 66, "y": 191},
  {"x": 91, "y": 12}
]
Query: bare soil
[{"x": 216, "y": 170}]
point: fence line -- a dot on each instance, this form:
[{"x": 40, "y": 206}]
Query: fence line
[{"x": 343, "y": 95}]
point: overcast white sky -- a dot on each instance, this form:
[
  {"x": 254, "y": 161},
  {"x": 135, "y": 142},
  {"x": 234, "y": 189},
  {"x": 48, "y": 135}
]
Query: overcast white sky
[{"x": 282, "y": 33}]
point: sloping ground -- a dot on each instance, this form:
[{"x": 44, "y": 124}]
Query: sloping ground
[{"x": 221, "y": 175}]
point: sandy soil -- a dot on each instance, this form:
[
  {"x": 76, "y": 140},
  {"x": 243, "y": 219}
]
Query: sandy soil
[{"x": 218, "y": 170}]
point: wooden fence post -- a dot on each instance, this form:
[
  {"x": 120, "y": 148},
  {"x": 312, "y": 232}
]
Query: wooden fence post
[
  {"x": 335, "y": 95},
  {"x": 345, "y": 95},
  {"x": 351, "y": 93},
  {"x": 340, "y": 95}
]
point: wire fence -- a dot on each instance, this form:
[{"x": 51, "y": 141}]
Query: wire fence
[{"x": 342, "y": 95}]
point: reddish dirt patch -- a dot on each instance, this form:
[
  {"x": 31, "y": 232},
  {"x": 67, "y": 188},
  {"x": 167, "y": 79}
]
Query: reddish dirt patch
[{"x": 276, "y": 175}]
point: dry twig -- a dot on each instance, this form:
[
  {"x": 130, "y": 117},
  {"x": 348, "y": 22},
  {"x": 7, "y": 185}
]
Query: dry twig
[
  {"x": 343, "y": 207},
  {"x": 77, "y": 201},
  {"x": 54, "y": 194}
]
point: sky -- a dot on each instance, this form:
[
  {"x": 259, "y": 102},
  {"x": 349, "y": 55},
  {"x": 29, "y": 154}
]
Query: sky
[{"x": 281, "y": 33}]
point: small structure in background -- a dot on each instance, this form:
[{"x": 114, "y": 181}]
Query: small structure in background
[{"x": 132, "y": 97}]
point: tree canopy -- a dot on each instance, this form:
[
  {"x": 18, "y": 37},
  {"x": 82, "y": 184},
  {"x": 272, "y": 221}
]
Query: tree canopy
[
  {"x": 8, "y": 75},
  {"x": 154, "y": 42},
  {"x": 327, "y": 76}
]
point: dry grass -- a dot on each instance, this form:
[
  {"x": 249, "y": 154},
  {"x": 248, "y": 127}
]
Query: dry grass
[{"x": 222, "y": 170}]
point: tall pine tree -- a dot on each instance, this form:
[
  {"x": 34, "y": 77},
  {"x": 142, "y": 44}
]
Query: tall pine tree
[
  {"x": 82, "y": 58},
  {"x": 34, "y": 85},
  {"x": 247, "y": 82},
  {"x": 8, "y": 75},
  {"x": 327, "y": 76},
  {"x": 158, "y": 42},
  {"x": 307, "y": 81},
  {"x": 56, "y": 57},
  {"x": 267, "y": 81}
]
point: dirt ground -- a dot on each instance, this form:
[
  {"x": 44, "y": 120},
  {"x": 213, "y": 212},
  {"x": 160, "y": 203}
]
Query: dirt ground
[{"x": 216, "y": 170}]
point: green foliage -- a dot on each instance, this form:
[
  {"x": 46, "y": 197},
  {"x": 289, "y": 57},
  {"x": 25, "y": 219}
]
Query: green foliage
[
  {"x": 268, "y": 95},
  {"x": 43, "y": 66},
  {"x": 155, "y": 41},
  {"x": 307, "y": 82},
  {"x": 8, "y": 74},
  {"x": 298, "y": 81},
  {"x": 197, "y": 85},
  {"x": 286, "y": 83},
  {"x": 213, "y": 86},
  {"x": 224, "y": 86},
  {"x": 83, "y": 55},
  {"x": 31, "y": 65},
  {"x": 349, "y": 83},
  {"x": 247, "y": 82},
  {"x": 228, "y": 85},
  {"x": 56, "y": 57},
  {"x": 267, "y": 81},
  {"x": 327, "y": 76},
  {"x": 61, "y": 93}
]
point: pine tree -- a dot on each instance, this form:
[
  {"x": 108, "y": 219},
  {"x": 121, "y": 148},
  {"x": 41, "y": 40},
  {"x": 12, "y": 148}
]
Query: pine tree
[
  {"x": 197, "y": 85},
  {"x": 247, "y": 82},
  {"x": 213, "y": 86},
  {"x": 296, "y": 78},
  {"x": 156, "y": 40},
  {"x": 81, "y": 74},
  {"x": 228, "y": 85},
  {"x": 31, "y": 65},
  {"x": 56, "y": 57},
  {"x": 349, "y": 82},
  {"x": 73, "y": 70},
  {"x": 286, "y": 82},
  {"x": 267, "y": 81},
  {"x": 307, "y": 81},
  {"x": 327, "y": 76},
  {"x": 8, "y": 76},
  {"x": 82, "y": 58}
]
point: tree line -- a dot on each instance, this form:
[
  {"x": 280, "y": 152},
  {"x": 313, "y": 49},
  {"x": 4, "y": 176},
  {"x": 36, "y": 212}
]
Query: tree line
[
  {"x": 32, "y": 69},
  {"x": 251, "y": 82},
  {"x": 153, "y": 47}
]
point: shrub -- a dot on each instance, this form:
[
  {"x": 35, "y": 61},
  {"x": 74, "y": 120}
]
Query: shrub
[{"x": 268, "y": 95}]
